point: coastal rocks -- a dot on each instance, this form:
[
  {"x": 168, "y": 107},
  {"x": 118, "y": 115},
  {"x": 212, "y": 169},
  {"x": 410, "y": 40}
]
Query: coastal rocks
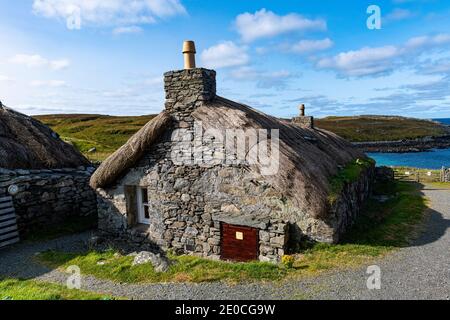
[
  {"x": 160, "y": 264},
  {"x": 401, "y": 146}
]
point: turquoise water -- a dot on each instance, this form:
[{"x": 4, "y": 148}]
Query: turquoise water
[{"x": 434, "y": 159}]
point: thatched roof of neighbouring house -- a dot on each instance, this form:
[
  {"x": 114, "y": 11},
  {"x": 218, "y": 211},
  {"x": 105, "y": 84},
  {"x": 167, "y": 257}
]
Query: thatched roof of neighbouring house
[
  {"x": 308, "y": 157},
  {"x": 26, "y": 143}
]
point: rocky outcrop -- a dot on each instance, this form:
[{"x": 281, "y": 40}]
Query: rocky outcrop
[
  {"x": 400, "y": 146},
  {"x": 445, "y": 175}
]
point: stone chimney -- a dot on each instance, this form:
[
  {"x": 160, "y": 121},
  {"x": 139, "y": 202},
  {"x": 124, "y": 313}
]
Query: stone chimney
[
  {"x": 189, "y": 88},
  {"x": 304, "y": 121}
]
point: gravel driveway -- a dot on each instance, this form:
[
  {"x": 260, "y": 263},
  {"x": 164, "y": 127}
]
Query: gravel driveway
[{"x": 420, "y": 271}]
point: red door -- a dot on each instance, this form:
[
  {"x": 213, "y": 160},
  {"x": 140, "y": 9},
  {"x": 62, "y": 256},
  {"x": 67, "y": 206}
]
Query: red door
[{"x": 239, "y": 243}]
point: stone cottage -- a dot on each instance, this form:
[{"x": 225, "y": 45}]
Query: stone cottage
[
  {"x": 216, "y": 178},
  {"x": 43, "y": 180}
]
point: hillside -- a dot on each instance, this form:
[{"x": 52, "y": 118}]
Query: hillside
[
  {"x": 381, "y": 128},
  {"x": 104, "y": 133},
  {"x": 108, "y": 133}
]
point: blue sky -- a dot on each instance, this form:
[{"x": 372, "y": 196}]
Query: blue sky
[{"x": 108, "y": 56}]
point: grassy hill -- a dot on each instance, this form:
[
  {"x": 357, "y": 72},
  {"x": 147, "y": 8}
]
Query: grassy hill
[
  {"x": 108, "y": 133},
  {"x": 381, "y": 128},
  {"x": 104, "y": 133}
]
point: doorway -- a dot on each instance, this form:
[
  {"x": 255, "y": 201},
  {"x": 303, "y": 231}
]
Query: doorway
[{"x": 239, "y": 243}]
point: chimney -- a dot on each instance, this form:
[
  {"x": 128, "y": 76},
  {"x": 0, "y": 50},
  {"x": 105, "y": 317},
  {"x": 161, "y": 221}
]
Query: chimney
[
  {"x": 188, "y": 88},
  {"x": 304, "y": 121}
]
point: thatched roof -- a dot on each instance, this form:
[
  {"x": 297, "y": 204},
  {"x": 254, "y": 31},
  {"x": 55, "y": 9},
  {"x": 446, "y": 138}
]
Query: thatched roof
[
  {"x": 131, "y": 152},
  {"x": 26, "y": 143},
  {"x": 308, "y": 157}
]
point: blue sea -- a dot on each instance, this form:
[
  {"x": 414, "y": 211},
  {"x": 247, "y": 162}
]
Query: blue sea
[
  {"x": 433, "y": 159},
  {"x": 444, "y": 121}
]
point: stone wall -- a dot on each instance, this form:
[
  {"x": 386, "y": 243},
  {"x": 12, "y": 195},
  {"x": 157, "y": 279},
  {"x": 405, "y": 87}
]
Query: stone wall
[
  {"x": 445, "y": 175},
  {"x": 48, "y": 197},
  {"x": 348, "y": 206},
  {"x": 304, "y": 121}
]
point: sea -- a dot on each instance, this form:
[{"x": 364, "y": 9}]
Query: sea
[{"x": 433, "y": 159}]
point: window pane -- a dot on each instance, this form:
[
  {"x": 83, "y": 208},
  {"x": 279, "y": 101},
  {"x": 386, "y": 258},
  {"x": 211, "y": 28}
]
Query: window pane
[
  {"x": 146, "y": 212},
  {"x": 144, "y": 195}
]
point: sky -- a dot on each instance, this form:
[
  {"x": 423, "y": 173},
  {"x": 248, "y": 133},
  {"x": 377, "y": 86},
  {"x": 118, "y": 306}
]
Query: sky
[{"x": 108, "y": 56}]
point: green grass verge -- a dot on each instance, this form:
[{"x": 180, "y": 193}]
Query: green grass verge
[
  {"x": 351, "y": 173},
  {"x": 15, "y": 289},
  {"x": 380, "y": 229}
]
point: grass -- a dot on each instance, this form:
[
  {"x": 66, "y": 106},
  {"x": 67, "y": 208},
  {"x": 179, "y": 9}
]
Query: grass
[
  {"x": 105, "y": 133},
  {"x": 69, "y": 226},
  {"x": 349, "y": 174},
  {"x": 16, "y": 289},
  {"x": 380, "y": 229},
  {"x": 381, "y": 128}
]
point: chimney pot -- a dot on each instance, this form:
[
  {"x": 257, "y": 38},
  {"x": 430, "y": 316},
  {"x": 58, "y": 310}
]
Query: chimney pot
[
  {"x": 302, "y": 110},
  {"x": 189, "y": 54}
]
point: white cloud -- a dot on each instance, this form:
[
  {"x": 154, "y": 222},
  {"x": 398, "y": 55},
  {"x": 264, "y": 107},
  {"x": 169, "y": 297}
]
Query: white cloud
[
  {"x": 398, "y": 14},
  {"x": 127, "y": 30},
  {"x": 48, "y": 83},
  {"x": 107, "y": 12},
  {"x": 5, "y": 78},
  {"x": 361, "y": 62},
  {"x": 370, "y": 61},
  {"x": 264, "y": 24},
  {"x": 308, "y": 46},
  {"x": 225, "y": 54},
  {"x": 36, "y": 60}
]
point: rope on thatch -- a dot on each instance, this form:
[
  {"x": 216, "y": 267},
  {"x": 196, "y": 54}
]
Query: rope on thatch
[
  {"x": 26, "y": 143},
  {"x": 127, "y": 155}
]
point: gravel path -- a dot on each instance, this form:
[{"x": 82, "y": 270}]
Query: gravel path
[{"x": 420, "y": 271}]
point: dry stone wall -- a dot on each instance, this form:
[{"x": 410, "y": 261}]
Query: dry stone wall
[{"x": 47, "y": 198}]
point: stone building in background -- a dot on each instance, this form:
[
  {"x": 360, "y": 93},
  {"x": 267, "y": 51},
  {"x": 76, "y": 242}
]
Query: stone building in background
[
  {"x": 183, "y": 183},
  {"x": 44, "y": 182}
]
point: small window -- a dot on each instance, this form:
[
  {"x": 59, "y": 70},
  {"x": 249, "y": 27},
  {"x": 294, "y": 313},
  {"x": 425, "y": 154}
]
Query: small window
[{"x": 143, "y": 206}]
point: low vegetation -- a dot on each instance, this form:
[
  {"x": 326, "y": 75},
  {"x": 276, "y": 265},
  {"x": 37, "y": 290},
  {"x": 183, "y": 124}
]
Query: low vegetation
[
  {"x": 381, "y": 128},
  {"x": 351, "y": 172},
  {"x": 15, "y": 289},
  {"x": 383, "y": 227},
  {"x": 104, "y": 133}
]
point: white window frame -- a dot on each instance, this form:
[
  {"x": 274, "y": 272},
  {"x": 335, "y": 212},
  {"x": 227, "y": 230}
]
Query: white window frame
[{"x": 141, "y": 207}]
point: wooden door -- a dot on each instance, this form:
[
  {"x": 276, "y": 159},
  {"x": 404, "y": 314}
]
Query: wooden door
[{"x": 239, "y": 243}]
